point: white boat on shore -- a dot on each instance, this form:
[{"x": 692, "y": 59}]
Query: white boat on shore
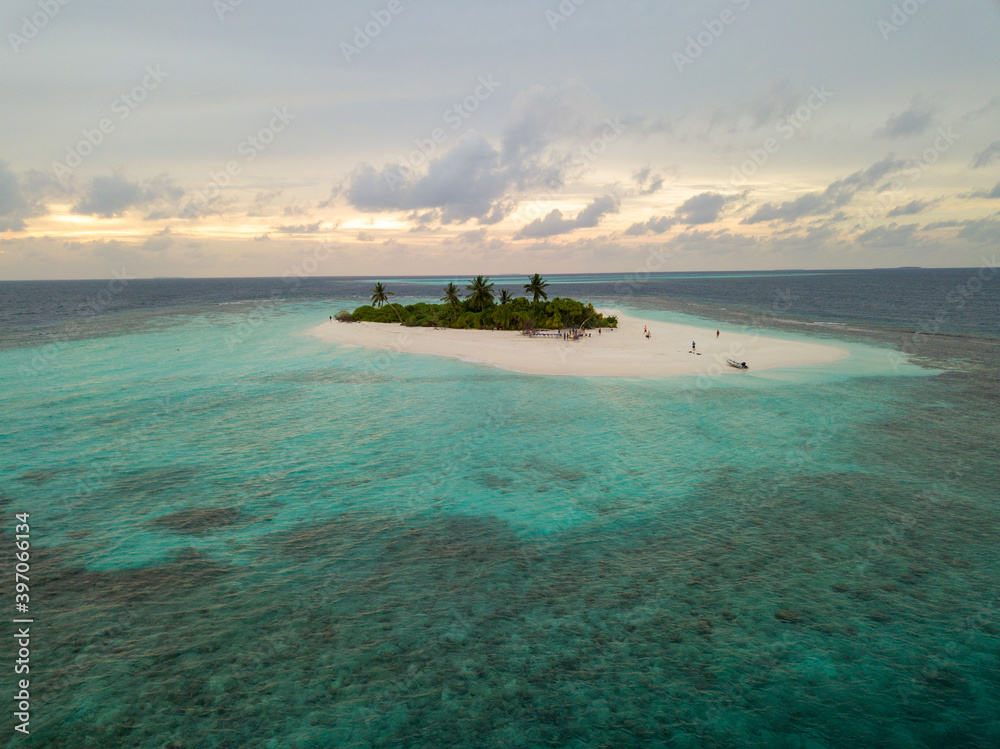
[{"x": 737, "y": 364}]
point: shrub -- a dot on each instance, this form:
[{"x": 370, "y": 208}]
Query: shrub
[
  {"x": 518, "y": 314},
  {"x": 367, "y": 313},
  {"x": 344, "y": 316}
]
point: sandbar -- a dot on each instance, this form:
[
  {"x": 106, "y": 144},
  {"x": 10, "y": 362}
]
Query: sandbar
[{"x": 621, "y": 352}]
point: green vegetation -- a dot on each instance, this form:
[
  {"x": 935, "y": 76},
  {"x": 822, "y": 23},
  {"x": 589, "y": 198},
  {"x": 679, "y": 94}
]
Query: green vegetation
[
  {"x": 451, "y": 295},
  {"x": 479, "y": 309},
  {"x": 536, "y": 287},
  {"x": 480, "y": 293},
  {"x": 381, "y": 296}
]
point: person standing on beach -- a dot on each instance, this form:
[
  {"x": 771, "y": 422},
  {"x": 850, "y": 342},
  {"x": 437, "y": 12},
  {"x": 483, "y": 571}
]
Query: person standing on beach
[
  {"x": 692, "y": 345},
  {"x": 717, "y": 334}
]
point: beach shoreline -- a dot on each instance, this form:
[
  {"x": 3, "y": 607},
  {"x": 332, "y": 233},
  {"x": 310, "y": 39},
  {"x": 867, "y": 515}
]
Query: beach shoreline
[{"x": 621, "y": 352}]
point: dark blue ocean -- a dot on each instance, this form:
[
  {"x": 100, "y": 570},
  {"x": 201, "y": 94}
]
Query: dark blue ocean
[
  {"x": 243, "y": 536},
  {"x": 904, "y": 299}
]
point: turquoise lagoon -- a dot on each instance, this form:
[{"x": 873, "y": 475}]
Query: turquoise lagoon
[{"x": 243, "y": 536}]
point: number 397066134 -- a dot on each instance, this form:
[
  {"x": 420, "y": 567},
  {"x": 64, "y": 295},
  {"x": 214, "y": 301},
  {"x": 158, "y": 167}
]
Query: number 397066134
[{"x": 23, "y": 555}]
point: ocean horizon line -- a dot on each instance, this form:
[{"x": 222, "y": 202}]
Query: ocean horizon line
[{"x": 632, "y": 275}]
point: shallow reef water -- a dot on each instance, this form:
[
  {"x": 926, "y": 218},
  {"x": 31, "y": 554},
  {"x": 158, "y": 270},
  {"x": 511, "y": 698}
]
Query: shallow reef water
[{"x": 290, "y": 544}]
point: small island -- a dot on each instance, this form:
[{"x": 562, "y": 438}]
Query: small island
[
  {"x": 482, "y": 309},
  {"x": 519, "y": 335}
]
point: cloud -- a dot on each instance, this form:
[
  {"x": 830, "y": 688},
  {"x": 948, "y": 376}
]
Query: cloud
[
  {"x": 158, "y": 242},
  {"x": 427, "y": 217},
  {"x": 473, "y": 237},
  {"x": 647, "y": 182},
  {"x": 13, "y": 207},
  {"x": 708, "y": 243},
  {"x": 593, "y": 213},
  {"x": 364, "y": 236},
  {"x": 23, "y": 196},
  {"x": 765, "y": 109},
  {"x": 984, "y": 230},
  {"x": 554, "y": 223},
  {"x": 475, "y": 179},
  {"x": 836, "y": 195},
  {"x": 262, "y": 201},
  {"x": 466, "y": 182},
  {"x": 718, "y": 126},
  {"x": 703, "y": 209},
  {"x": 912, "y": 208},
  {"x": 544, "y": 114},
  {"x": 866, "y": 179},
  {"x": 112, "y": 249},
  {"x": 335, "y": 193},
  {"x": 114, "y": 195},
  {"x": 300, "y": 228},
  {"x": 810, "y": 204},
  {"x": 891, "y": 236},
  {"x": 914, "y": 120},
  {"x": 655, "y": 225},
  {"x": 987, "y": 156},
  {"x": 988, "y": 194},
  {"x": 984, "y": 111},
  {"x": 199, "y": 207}
]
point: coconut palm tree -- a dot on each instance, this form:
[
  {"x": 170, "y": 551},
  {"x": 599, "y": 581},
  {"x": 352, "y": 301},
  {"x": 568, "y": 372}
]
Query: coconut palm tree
[
  {"x": 451, "y": 295},
  {"x": 536, "y": 287},
  {"x": 380, "y": 296},
  {"x": 481, "y": 293},
  {"x": 505, "y": 297}
]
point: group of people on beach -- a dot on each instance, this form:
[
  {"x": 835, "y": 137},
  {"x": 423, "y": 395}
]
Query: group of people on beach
[{"x": 646, "y": 332}]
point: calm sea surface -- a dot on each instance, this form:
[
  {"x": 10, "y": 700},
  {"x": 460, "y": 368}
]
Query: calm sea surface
[{"x": 242, "y": 536}]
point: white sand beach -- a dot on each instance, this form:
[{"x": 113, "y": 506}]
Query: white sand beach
[{"x": 624, "y": 352}]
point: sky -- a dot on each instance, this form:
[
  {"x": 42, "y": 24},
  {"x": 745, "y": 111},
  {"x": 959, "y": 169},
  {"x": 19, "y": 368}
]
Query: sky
[{"x": 229, "y": 138}]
